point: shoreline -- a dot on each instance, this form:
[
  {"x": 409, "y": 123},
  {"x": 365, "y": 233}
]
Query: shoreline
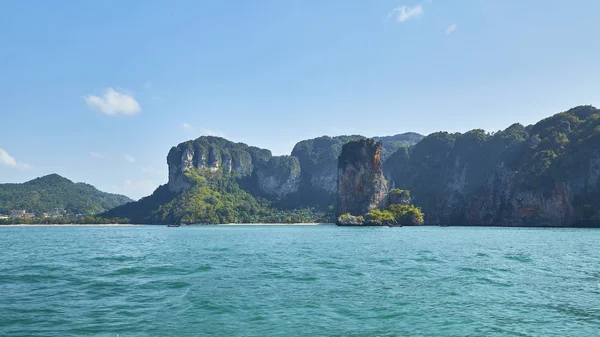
[
  {"x": 269, "y": 224},
  {"x": 190, "y": 225},
  {"x": 286, "y": 225},
  {"x": 71, "y": 225}
]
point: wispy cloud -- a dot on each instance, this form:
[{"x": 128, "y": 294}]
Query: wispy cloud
[
  {"x": 204, "y": 132},
  {"x": 209, "y": 132},
  {"x": 129, "y": 158},
  {"x": 451, "y": 29},
  {"x": 405, "y": 13},
  {"x": 97, "y": 155},
  {"x": 148, "y": 85},
  {"x": 113, "y": 103},
  {"x": 8, "y": 160}
]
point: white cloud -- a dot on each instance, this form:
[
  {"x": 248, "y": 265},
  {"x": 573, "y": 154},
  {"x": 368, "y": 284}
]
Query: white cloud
[
  {"x": 128, "y": 158},
  {"x": 451, "y": 29},
  {"x": 204, "y": 132},
  {"x": 7, "y": 160},
  {"x": 113, "y": 103},
  {"x": 97, "y": 155},
  {"x": 404, "y": 13},
  {"x": 209, "y": 132}
]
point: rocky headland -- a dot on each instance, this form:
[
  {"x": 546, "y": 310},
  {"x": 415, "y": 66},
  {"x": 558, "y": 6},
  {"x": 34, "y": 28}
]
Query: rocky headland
[{"x": 546, "y": 174}]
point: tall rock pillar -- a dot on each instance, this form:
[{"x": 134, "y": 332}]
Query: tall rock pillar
[{"x": 361, "y": 184}]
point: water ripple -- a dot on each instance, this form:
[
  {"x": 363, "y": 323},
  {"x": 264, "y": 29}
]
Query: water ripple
[{"x": 298, "y": 281}]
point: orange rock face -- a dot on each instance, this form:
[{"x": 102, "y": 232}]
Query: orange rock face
[{"x": 361, "y": 183}]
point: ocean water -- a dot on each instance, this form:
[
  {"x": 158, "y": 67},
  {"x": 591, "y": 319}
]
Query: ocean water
[{"x": 299, "y": 281}]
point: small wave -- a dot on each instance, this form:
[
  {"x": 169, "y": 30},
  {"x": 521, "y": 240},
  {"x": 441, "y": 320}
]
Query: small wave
[
  {"x": 520, "y": 257},
  {"x": 124, "y": 271},
  {"x": 204, "y": 267},
  {"x": 385, "y": 261},
  {"x": 272, "y": 275},
  {"x": 165, "y": 269},
  {"x": 470, "y": 270},
  {"x": 216, "y": 249},
  {"x": 502, "y": 270},
  {"x": 330, "y": 265},
  {"x": 116, "y": 258},
  {"x": 427, "y": 259},
  {"x": 177, "y": 285},
  {"x": 306, "y": 278},
  {"x": 494, "y": 282},
  {"x": 391, "y": 316},
  {"x": 35, "y": 278}
]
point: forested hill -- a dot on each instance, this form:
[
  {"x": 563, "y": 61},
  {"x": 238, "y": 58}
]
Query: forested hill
[
  {"x": 53, "y": 192},
  {"x": 546, "y": 174}
]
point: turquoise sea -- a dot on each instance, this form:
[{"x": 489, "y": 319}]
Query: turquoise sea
[{"x": 299, "y": 281}]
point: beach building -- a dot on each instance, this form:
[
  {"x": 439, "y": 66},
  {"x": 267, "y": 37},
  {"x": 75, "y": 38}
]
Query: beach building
[{"x": 18, "y": 213}]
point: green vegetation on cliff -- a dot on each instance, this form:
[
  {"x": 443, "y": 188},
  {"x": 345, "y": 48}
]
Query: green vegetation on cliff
[
  {"x": 318, "y": 159},
  {"x": 407, "y": 215},
  {"x": 544, "y": 174},
  {"x": 510, "y": 176},
  {"x": 53, "y": 192},
  {"x": 213, "y": 198},
  {"x": 214, "y": 181}
]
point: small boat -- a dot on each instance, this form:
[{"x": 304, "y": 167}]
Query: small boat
[
  {"x": 173, "y": 225},
  {"x": 444, "y": 225},
  {"x": 396, "y": 225}
]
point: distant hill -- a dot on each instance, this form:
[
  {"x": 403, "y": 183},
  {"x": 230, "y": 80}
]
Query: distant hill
[{"x": 52, "y": 192}]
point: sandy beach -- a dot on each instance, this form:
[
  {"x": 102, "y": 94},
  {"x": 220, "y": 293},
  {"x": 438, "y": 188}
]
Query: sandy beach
[
  {"x": 126, "y": 225},
  {"x": 272, "y": 224}
]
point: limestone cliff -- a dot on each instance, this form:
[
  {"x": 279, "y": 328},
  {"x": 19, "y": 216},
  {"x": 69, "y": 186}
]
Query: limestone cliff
[
  {"x": 547, "y": 174},
  {"x": 212, "y": 154},
  {"x": 213, "y": 180},
  {"x": 279, "y": 177},
  {"x": 270, "y": 176},
  {"x": 361, "y": 183},
  {"x": 318, "y": 158},
  {"x": 540, "y": 175}
]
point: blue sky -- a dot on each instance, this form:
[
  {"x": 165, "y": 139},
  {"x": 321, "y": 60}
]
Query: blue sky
[{"x": 99, "y": 91}]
